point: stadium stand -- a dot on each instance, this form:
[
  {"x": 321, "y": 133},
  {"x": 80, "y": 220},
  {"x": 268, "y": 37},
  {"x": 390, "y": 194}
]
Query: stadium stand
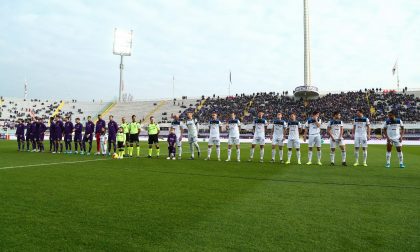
[
  {"x": 162, "y": 110},
  {"x": 15, "y": 108},
  {"x": 375, "y": 103}
]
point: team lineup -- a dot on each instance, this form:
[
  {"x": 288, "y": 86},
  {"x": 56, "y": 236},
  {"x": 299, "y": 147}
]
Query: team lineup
[{"x": 121, "y": 141}]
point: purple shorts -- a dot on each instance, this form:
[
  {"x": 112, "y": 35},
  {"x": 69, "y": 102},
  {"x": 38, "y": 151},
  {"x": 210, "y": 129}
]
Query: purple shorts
[
  {"x": 67, "y": 138},
  {"x": 88, "y": 139},
  {"x": 112, "y": 138},
  {"x": 20, "y": 137},
  {"x": 78, "y": 137},
  {"x": 29, "y": 137},
  {"x": 58, "y": 137},
  {"x": 41, "y": 137}
]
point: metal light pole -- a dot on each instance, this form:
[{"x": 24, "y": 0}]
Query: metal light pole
[
  {"x": 122, "y": 47},
  {"x": 307, "y": 46},
  {"x": 121, "y": 79},
  {"x": 173, "y": 87},
  {"x": 307, "y": 91}
]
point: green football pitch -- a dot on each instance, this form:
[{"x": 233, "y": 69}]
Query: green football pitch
[{"x": 71, "y": 202}]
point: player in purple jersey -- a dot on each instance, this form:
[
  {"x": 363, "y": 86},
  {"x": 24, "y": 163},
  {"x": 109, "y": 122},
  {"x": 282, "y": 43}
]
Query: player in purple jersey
[
  {"x": 34, "y": 133},
  {"x": 88, "y": 137},
  {"x": 20, "y": 135},
  {"x": 112, "y": 134},
  {"x": 98, "y": 129},
  {"x": 52, "y": 135},
  {"x": 28, "y": 133},
  {"x": 78, "y": 127},
  {"x": 59, "y": 130},
  {"x": 40, "y": 134},
  {"x": 68, "y": 131},
  {"x": 171, "y": 144}
]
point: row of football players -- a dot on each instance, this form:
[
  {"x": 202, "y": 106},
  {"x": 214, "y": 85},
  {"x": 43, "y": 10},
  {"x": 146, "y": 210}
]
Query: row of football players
[{"x": 393, "y": 131}]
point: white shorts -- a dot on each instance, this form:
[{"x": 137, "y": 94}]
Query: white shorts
[
  {"x": 360, "y": 142},
  {"x": 214, "y": 141},
  {"x": 233, "y": 141},
  {"x": 293, "y": 143},
  {"x": 192, "y": 139},
  {"x": 314, "y": 140},
  {"x": 258, "y": 140},
  {"x": 178, "y": 142},
  {"x": 395, "y": 142},
  {"x": 277, "y": 141},
  {"x": 337, "y": 142}
]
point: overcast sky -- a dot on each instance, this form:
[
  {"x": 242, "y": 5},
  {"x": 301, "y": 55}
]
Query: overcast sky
[{"x": 64, "y": 48}]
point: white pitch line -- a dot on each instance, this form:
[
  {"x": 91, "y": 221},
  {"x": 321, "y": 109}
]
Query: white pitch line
[
  {"x": 46, "y": 164},
  {"x": 73, "y": 162}
]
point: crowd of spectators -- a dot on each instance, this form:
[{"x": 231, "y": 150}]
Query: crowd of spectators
[{"x": 375, "y": 102}]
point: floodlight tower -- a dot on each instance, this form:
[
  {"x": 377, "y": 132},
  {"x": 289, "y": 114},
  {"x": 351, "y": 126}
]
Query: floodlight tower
[
  {"x": 306, "y": 91},
  {"x": 122, "y": 46}
]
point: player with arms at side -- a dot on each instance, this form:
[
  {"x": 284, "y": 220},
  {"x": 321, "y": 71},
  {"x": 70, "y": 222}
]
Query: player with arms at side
[
  {"x": 52, "y": 135},
  {"x": 68, "y": 131},
  {"x": 88, "y": 136},
  {"x": 59, "y": 130},
  {"x": 234, "y": 127},
  {"x": 260, "y": 127},
  {"x": 214, "y": 137},
  {"x": 20, "y": 135},
  {"x": 394, "y": 132},
  {"x": 112, "y": 135},
  {"x": 33, "y": 134},
  {"x": 293, "y": 140},
  {"x": 361, "y": 135},
  {"x": 41, "y": 134},
  {"x": 36, "y": 135},
  {"x": 178, "y": 127},
  {"x": 98, "y": 132},
  {"x": 335, "y": 130},
  {"x": 313, "y": 129},
  {"x": 78, "y": 127},
  {"x": 28, "y": 134},
  {"x": 192, "y": 126},
  {"x": 278, "y": 136},
  {"x": 153, "y": 131}
]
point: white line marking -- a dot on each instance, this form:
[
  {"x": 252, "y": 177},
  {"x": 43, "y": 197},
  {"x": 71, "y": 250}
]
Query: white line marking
[
  {"x": 46, "y": 164},
  {"x": 80, "y": 161}
]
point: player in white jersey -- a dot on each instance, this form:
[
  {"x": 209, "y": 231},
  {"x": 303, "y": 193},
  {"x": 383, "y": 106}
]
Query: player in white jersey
[
  {"x": 234, "y": 126},
  {"x": 394, "y": 132},
  {"x": 214, "y": 137},
  {"x": 313, "y": 129},
  {"x": 361, "y": 135},
  {"x": 260, "y": 126},
  {"x": 178, "y": 126},
  {"x": 335, "y": 130},
  {"x": 293, "y": 140},
  {"x": 278, "y": 136},
  {"x": 192, "y": 126}
]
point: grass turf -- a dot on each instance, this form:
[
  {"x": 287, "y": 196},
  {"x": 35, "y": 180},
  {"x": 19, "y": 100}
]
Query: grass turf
[{"x": 143, "y": 204}]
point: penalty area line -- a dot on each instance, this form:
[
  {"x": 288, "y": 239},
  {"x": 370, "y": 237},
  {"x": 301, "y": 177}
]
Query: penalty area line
[{"x": 55, "y": 163}]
